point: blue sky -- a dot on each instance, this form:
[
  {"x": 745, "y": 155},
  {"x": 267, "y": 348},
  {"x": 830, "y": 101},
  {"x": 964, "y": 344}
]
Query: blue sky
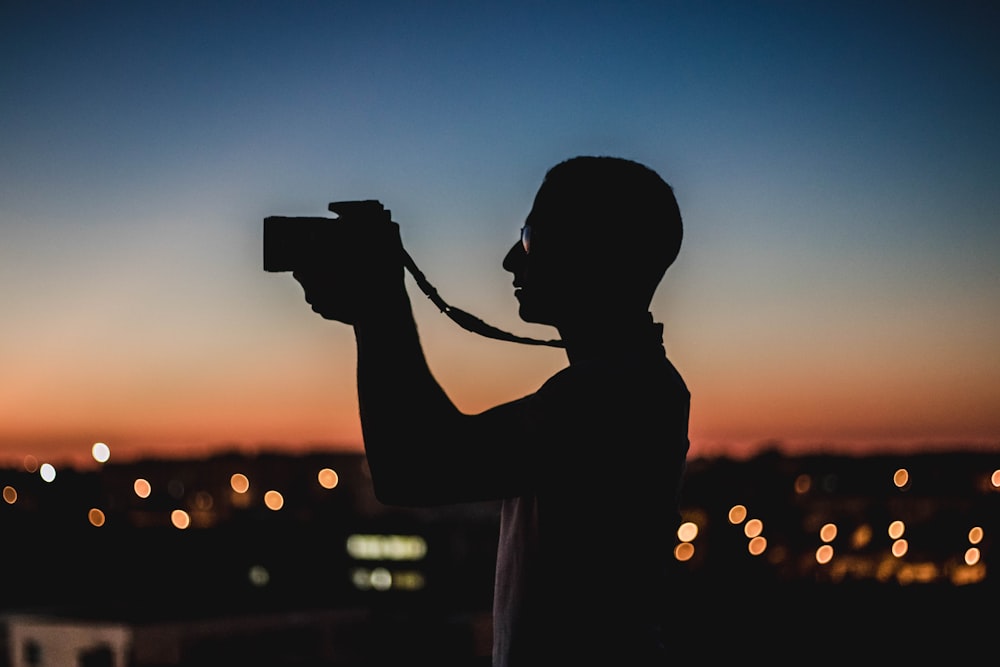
[{"x": 836, "y": 165}]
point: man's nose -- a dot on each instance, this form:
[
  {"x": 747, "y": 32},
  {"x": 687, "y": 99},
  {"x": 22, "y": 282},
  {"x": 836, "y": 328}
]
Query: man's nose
[{"x": 514, "y": 258}]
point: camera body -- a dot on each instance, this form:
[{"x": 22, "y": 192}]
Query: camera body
[{"x": 293, "y": 243}]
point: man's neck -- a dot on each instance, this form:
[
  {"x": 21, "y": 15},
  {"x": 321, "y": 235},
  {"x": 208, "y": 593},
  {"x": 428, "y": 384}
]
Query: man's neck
[{"x": 626, "y": 335}]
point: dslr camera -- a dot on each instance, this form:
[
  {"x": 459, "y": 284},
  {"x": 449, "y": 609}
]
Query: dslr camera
[{"x": 295, "y": 243}]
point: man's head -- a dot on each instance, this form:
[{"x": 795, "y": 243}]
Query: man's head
[{"x": 600, "y": 235}]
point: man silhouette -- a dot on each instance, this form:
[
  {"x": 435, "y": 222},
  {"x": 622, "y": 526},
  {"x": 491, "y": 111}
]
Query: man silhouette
[{"x": 589, "y": 466}]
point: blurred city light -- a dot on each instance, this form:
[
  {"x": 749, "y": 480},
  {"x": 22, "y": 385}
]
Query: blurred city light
[
  {"x": 803, "y": 483},
  {"x": 828, "y": 532},
  {"x": 274, "y": 500},
  {"x": 101, "y": 452},
  {"x": 896, "y": 529},
  {"x": 386, "y": 547},
  {"x": 737, "y": 513},
  {"x": 239, "y": 483},
  {"x": 47, "y": 472},
  {"x": 901, "y": 478},
  {"x": 259, "y": 576},
  {"x": 976, "y": 535},
  {"x": 861, "y": 536},
  {"x": 328, "y": 478},
  {"x": 684, "y": 551},
  {"x": 180, "y": 519},
  {"x": 824, "y": 554},
  {"x": 9, "y": 495},
  {"x": 900, "y": 547},
  {"x": 203, "y": 501},
  {"x": 31, "y": 465},
  {"x": 96, "y": 517},
  {"x": 381, "y": 579},
  {"x": 995, "y": 478},
  {"x": 971, "y": 556},
  {"x": 687, "y": 531},
  {"x": 757, "y": 546},
  {"x": 753, "y": 528},
  {"x": 142, "y": 488}
]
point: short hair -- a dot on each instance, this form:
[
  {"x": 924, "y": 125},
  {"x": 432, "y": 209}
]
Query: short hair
[{"x": 615, "y": 204}]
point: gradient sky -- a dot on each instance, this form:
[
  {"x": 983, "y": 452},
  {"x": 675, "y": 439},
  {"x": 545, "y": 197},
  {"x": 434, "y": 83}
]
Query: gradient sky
[{"x": 836, "y": 165}]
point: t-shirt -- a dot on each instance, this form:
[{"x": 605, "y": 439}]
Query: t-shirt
[{"x": 584, "y": 554}]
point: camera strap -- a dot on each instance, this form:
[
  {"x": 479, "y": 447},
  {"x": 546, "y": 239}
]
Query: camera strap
[{"x": 466, "y": 320}]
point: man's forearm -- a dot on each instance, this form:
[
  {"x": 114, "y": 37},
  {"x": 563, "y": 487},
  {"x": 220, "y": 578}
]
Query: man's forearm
[{"x": 407, "y": 419}]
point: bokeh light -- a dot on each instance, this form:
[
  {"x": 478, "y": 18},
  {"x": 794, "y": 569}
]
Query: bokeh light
[
  {"x": 976, "y": 535},
  {"x": 757, "y": 546},
  {"x": 899, "y": 548},
  {"x": 824, "y": 554},
  {"x": 753, "y": 528},
  {"x": 274, "y": 500},
  {"x": 259, "y": 576},
  {"x": 381, "y": 579},
  {"x": 142, "y": 487},
  {"x": 737, "y": 513},
  {"x": 101, "y": 452},
  {"x": 47, "y": 472},
  {"x": 684, "y": 551},
  {"x": 687, "y": 531},
  {"x": 31, "y": 465},
  {"x": 803, "y": 483},
  {"x": 239, "y": 483},
  {"x": 9, "y": 495},
  {"x": 328, "y": 478},
  {"x": 386, "y": 547},
  {"x": 995, "y": 478},
  {"x": 901, "y": 478},
  {"x": 828, "y": 532},
  {"x": 861, "y": 536},
  {"x": 96, "y": 517},
  {"x": 972, "y": 556},
  {"x": 180, "y": 519},
  {"x": 896, "y": 529}
]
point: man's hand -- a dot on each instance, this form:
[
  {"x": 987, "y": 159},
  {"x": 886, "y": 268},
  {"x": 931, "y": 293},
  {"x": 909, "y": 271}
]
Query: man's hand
[{"x": 361, "y": 277}]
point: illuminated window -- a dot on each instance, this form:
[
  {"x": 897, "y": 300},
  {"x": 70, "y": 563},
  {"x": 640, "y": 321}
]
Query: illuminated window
[
  {"x": 142, "y": 488},
  {"x": 274, "y": 500},
  {"x": 687, "y": 531},
  {"x": 328, "y": 478},
  {"x": 239, "y": 483},
  {"x": 96, "y": 517},
  {"x": 737, "y": 513}
]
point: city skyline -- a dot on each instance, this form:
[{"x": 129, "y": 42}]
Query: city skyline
[{"x": 834, "y": 164}]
